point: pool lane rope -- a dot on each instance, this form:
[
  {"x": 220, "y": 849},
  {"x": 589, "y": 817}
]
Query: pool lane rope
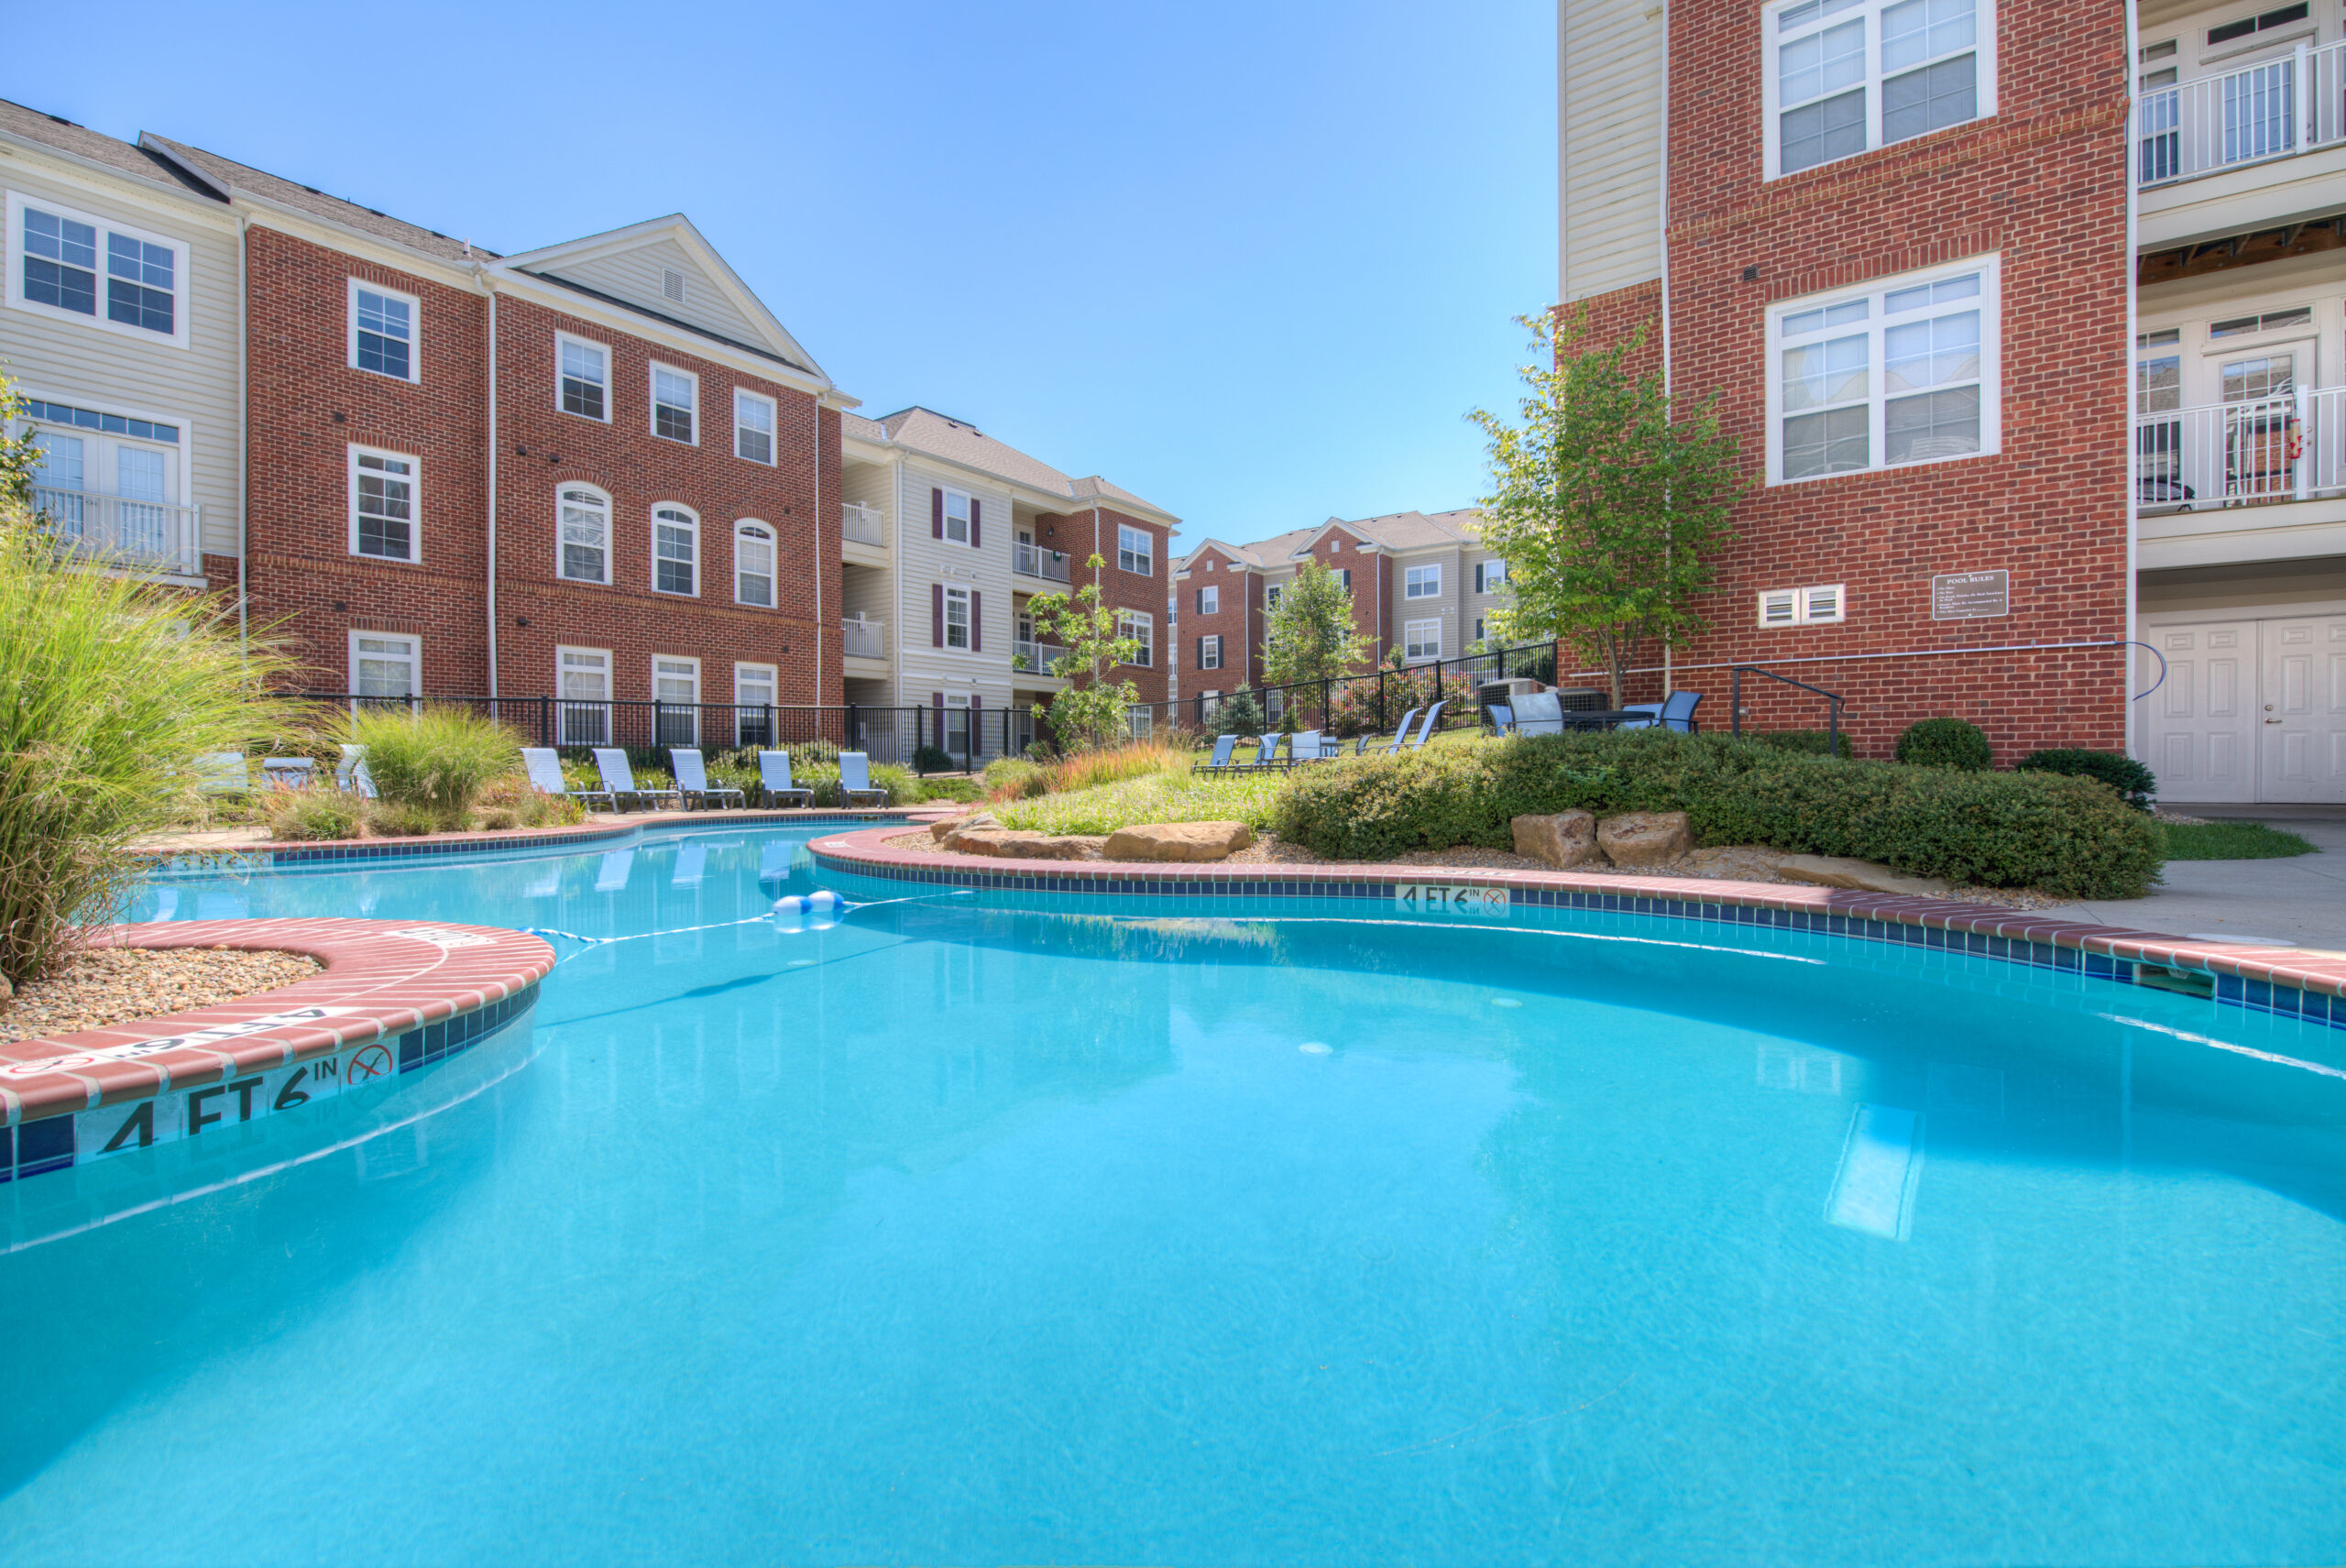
[{"x": 794, "y": 913}]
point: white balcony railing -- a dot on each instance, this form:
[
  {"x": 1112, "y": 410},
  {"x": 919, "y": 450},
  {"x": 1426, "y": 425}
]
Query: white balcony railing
[
  {"x": 140, "y": 536},
  {"x": 863, "y": 523},
  {"x": 864, "y": 639},
  {"x": 1040, "y": 657},
  {"x": 2289, "y": 447},
  {"x": 1030, "y": 562},
  {"x": 2214, "y": 123}
]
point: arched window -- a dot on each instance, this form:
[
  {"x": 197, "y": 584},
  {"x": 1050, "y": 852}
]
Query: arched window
[
  {"x": 585, "y": 546},
  {"x": 676, "y": 551},
  {"x": 752, "y": 563}
]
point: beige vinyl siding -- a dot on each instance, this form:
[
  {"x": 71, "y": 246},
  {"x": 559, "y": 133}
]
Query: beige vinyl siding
[
  {"x": 923, "y": 561},
  {"x": 194, "y": 388},
  {"x": 634, "y": 275},
  {"x": 871, "y": 589},
  {"x": 1443, "y": 606},
  {"x": 1609, "y": 80}
]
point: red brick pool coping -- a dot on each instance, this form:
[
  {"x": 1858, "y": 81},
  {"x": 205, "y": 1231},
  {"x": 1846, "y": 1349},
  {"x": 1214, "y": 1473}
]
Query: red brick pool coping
[
  {"x": 2313, "y": 973},
  {"x": 382, "y": 977}
]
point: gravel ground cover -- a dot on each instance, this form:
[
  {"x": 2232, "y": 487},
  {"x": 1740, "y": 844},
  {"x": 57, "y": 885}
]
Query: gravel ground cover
[{"x": 116, "y": 985}]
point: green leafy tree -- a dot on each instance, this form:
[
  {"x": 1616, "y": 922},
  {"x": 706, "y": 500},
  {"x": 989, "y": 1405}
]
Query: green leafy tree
[
  {"x": 19, "y": 458},
  {"x": 1310, "y": 638},
  {"x": 1607, "y": 501},
  {"x": 1238, "y": 714},
  {"x": 1090, "y": 712}
]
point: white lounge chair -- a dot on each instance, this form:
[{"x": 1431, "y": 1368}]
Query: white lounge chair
[
  {"x": 775, "y": 782},
  {"x": 619, "y": 779},
  {"x": 855, "y": 779},
  {"x": 221, "y": 773},
  {"x": 350, "y": 774},
  {"x": 545, "y": 776},
  {"x": 692, "y": 778}
]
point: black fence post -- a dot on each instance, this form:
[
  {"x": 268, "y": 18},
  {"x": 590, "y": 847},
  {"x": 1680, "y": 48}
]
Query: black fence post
[
  {"x": 545, "y": 728},
  {"x": 1735, "y": 703}
]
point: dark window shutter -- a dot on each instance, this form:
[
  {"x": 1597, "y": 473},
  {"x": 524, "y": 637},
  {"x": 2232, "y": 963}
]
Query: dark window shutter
[
  {"x": 939, "y": 698},
  {"x": 937, "y": 615},
  {"x": 977, "y": 604},
  {"x": 975, "y": 513},
  {"x": 973, "y": 702},
  {"x": 1202, "y": 652},
  {"x": 937, "y": 514}
]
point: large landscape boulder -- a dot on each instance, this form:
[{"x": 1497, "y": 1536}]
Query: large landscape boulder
[
  {"x": 1178, "y": 841},
  {"x": 1845, "y": 870},
  {"x": 1638, "y": 838},
  {"x": 1049, "y": 847},
  {"x": 945, "y": 830},
  {"x": 1563, "y": 839}
]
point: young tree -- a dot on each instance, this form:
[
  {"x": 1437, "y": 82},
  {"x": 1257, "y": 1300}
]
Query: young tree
[
  {"x": 1090, "y": 712},
  {"x": 1238, "y": 714},
  {"x": 1311, "y": 637},
  {"x": 1608, "y": 502}
]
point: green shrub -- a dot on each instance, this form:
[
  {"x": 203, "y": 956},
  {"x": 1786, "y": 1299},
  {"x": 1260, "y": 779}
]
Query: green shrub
[
  {"x": 932, "y": 760},
  {"x": 1015, "y": 778},
  {"x": 1238, "y": 714},
  {"x": 2067, "y": 835},
  {"x": 510, "y": 802},
  {"x": 294, "y": 815},
  {"x": 1808, "y": 742},
  {"x": 960, "y": 791},
  {"x": 437, "y": 760},
  {"x": 395, "y": 820},
  {"x": 2132, "y": 781},
  {"x": 1946, "y": 743},
  {"x": 812, "y": 754}
]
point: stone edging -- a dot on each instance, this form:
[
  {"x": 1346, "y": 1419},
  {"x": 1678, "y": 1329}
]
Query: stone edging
[
  {"x": 394, "y": 996},
  {"x": 2288, "y": 981}
]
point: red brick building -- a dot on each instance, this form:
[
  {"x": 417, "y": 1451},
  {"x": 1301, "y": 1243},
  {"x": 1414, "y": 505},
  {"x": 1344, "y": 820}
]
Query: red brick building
[{"x": 1905, "y": 243}]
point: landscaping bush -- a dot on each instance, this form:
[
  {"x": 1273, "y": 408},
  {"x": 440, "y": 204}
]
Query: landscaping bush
[
  {"x": 437, "y": 760},
  {"x": 311, "y": 814},
  {"x": 1808, "y": 742},
  {"x": 1112, "y": 764},
  {"x": 1238, "y": 714},
  {"x": 812, "y": 753},
  {"x": 1015, "y": 778},
  {"x": 2067, "y": 835},
  {"x": 510, "y": 802},
  {"x": 395, "y": 820},
  {"x": 2134, "y": 783},
  {"x": 961, "y": 792},
  {"x": 1154, "y": 797},
  {"x": 930, "y": 760},
  {"x": 1946, "y": 743}
]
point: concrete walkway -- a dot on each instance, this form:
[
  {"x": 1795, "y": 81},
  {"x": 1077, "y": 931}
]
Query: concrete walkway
[{"x": 2300, "y": 902}]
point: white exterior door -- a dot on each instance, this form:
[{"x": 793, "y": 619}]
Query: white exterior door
[
  {"x": 2303, "y": 743},
  {"x": 2203, "y": 720}
]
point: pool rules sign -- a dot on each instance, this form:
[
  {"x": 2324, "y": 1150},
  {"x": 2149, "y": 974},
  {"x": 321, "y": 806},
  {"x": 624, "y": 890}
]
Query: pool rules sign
[{"x": 1971, "y": 596}]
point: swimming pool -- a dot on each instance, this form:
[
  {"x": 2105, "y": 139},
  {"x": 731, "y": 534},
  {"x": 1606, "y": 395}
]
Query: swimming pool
[{"x": 1207, "y": 1235}]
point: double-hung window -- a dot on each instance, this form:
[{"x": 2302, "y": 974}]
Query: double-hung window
[
  {"x": 675, "y": 400},
  {"x": 753, "y": 689},
  {"x": 1209, "y": 652},
  {"x": 753, "y": 426},
  {"x": 1422, "y": 582},
  {"x": 1846, "y": 75},
  {"x": 1271, "y": 598},
  {"x": 583, "y": 679},
  {"x": 1421, "y": 640},
  {"x": 385, "y": 668},
  {"x": 383, "y": 331},
  {"x": 1490, "y": 576},
  {"x": 584, "y": 377},
  {"x": 956, "y": 618},
  {"x": 1209, "y": 600},
  {"x": 1133, "y": 548},
  {"x": 676, "y": 685},
  {"x": 959, "y": 509},
  {"x": 676, "y": 551},
  {"x": 1142, "y": 629},
  {"x": 71, "y": 264},
  {"x": 1902, "y": 371},
  {"x": 753, "y": 564},
  {"x": 383, "y": 505},
  {"x": 585, "y": 534}
]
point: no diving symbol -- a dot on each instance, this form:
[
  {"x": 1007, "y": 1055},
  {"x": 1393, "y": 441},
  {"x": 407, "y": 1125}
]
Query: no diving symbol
[{"x": 371, "y": 1062}]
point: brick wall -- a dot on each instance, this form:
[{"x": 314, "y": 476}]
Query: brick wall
[
  {"x": 1238, "y": 606},
  {"x": 2042, "y": 185},
  {"x": 1120, "y": 589}
]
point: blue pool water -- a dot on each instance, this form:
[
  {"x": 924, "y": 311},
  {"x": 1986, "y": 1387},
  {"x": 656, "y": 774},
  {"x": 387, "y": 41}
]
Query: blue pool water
[{"x": 969, "y": 1235}]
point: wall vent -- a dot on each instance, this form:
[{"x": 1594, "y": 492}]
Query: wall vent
[{"x": 672, "y": 284}]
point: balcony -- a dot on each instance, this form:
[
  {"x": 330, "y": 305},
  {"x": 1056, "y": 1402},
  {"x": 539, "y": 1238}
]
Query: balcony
[
  {"x": 862, "y": 524},
  {"x": 1039, "y": 658},
  {"x": 2259, "y": 112},
  {"x": 2288, "y": 447},
  {"x": 1030, "y": 562},
  {"x": 860, "y": 639},
  {"x": 134, "y": 535}
]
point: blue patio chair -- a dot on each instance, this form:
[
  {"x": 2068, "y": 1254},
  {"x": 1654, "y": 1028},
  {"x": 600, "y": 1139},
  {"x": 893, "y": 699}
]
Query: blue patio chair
[
  {"x": 1401, "y": 731},
  {"x": 1303, "y": 746},
  {"x": 1538, "y": 713},
  {"x": 1267, "y": 751},
  {"x": 1676, "y": 713},
  {"x": 775, "y": 783},
  {"x": 619, "y": 779},
  {"x": 855, "y": 779},
  {"x": 1425, "y": 731},
  {"x": 1220, "y": 758},
  {"x": 692, "y": 778},
  {"x": 288, "y": 773},
  {"x": 545, "y": 776}
]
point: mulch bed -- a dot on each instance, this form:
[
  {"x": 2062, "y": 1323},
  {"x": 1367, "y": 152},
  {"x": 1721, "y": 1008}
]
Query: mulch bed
[{"x": 117, "y": 985}]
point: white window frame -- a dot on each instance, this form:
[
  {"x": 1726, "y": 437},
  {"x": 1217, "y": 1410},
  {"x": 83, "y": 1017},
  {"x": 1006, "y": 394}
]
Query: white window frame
[
  {"x": 1490, "y": 576},
  {"x": 414, "y": 376},
  {"x": 415, "y": 502},
  {"x": 961, "y": 596},
  {"x": 180, "y": 282},
  {"x": 414, "y": 659},
  {"x": 570, "y": 339},
  {"x": 773, "y": 431},
  {"x": 690, "y": 519},
  {"x": 562, "y": 545},
  {"x": 565, "y": 703},
  {"x": 969, "y": 506},
  {"x": 1414, "y": 645},
  {"x": 1139, "y": 723},
  {"x": 1142, "y": 626},
  {"x": 772, "y": 676},
  {"x": 1823, "y": 604},
  {"x": 1135, "y": 544},
  {"x": 651, "y": 385},
  {"x": 773, "y": 542},
  {"x": 692, "y": 710},
  {"x": 1421, "y": 582},
  {"x": 1210, "y": 652},
  {"x": 1869, "y": 12},
  {"x": 1874, "y": 327},
  {"x": 1210, "y": 599},
  {"x": 1271, "y": 597}
]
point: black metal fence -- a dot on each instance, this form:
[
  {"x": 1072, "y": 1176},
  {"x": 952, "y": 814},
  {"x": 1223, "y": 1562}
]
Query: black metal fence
[{"x": 1363, "y": 704}]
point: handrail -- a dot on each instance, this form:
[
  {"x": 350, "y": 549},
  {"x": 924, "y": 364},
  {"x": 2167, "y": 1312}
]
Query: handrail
[{"x": 1833, "y": 713}]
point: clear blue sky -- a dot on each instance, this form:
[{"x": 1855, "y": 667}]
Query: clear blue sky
[{"x": 1251, "y": 261}]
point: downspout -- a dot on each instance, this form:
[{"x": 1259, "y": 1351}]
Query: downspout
[
  {"x": 822, "y": 563},
  {"x": 482, "y": 273},
  {"x": 1662, "y": 221},
  {"x": 2127, "y": 377},
  {"x": 245, "y": 434}
]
